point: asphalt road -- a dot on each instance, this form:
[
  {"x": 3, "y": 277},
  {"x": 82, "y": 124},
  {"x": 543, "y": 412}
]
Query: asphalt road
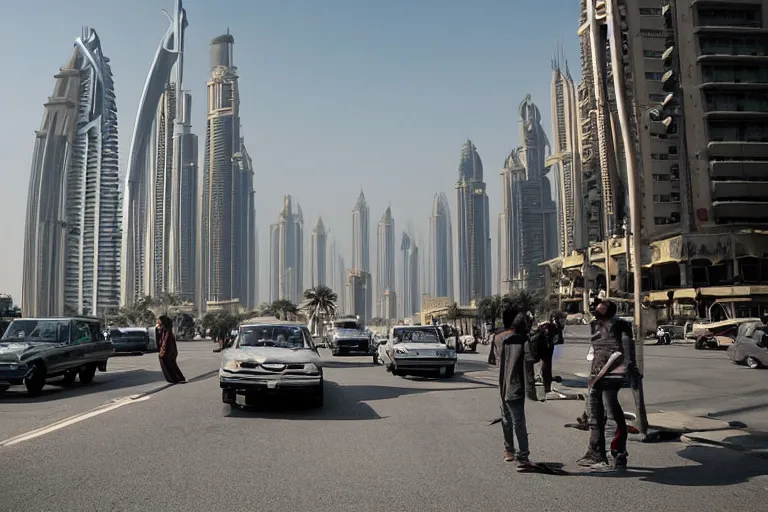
[{"x": 380, "y": 443}]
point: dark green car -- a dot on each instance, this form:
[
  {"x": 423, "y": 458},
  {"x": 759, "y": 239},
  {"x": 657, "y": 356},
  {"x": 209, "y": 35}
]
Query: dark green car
[{"x": 33, "y": 350}]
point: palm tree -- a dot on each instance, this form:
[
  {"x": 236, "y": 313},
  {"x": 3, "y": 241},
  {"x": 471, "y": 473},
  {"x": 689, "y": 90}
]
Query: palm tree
[
  {"x": 281, "y": 308},
  {"x": 320, "y": 302}
]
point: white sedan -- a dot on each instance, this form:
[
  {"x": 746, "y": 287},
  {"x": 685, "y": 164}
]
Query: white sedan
[
  {"x": 270, "y": 358},
  {"x": 417, "y": 350}
]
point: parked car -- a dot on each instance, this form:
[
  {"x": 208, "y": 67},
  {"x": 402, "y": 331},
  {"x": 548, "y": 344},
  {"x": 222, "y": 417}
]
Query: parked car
[
  {"x": 349, "y": 335},
  {"x": 751, "y": 346},
  {"x": 417, "y": 349},
  {"x": 130, "y": 340},
  {"x": 271, "y": 357},
  {"x": 33, "y": 350}
]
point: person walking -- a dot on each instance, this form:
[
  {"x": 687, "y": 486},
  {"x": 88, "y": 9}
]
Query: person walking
[
  {"x": 169, "y": 351},
  {"x": 547, "y": 336},
  {"x": 613, "y": 360},
  {"x": 509, "y": 344}
]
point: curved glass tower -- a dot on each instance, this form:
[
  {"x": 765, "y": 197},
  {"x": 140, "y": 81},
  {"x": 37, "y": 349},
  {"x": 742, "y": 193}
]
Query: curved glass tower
[
  {"x": 140, "y": 265},
  {"x": 72, "y": 236}
]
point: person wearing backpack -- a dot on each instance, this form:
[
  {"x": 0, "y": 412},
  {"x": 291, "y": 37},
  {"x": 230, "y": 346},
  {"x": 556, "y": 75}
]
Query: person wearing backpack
[
  {"x": 541, "y": 349},
  {"x": 613, "y": 360}
]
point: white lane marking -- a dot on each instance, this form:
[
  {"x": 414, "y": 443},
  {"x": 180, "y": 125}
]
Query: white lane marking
[{"x": 74, "y": 419}]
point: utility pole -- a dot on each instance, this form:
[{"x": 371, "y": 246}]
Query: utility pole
[{"x": 614, "y": 35}]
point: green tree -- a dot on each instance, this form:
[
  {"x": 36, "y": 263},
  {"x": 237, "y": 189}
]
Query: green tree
[
  {"x": 489, "y": 308},
  {"x": 282, "y": 308},
  {"x": 185, "y": 326},
  {"x": 137, "y": 314},
  {"x": 320, "y": 303},
  {"x": 536, "y": 302}
]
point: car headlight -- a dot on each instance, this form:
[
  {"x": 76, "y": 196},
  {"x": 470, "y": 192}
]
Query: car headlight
[
  {"x": 401, "y": 350},
  {"x": 312, "y": 368},
  {"x": 232, "y": 365}
]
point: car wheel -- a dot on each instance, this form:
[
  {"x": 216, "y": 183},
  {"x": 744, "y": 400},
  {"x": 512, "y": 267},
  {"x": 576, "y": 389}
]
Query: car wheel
[
  {"x": 228, "y": 397},
  {"x": 398, "y": 373},
  {"x": 699, "y": 345},
  {"x": 69, "y": 378},
  {"x": 450, "y": 371},
  {"x": 35, "y": 380},
  {"x": 753, "y": 363},
  {"x": 87, "y": 374},
  {"x": 4, "y": 388}
]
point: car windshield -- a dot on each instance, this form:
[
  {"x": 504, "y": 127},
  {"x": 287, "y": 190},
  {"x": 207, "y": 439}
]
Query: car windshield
[
  {"x": 33, "y": 329},
  {"x": 416, "y": 336},
  {"x": 347, "y": 325},
  {"x": 282, "y": 336}
]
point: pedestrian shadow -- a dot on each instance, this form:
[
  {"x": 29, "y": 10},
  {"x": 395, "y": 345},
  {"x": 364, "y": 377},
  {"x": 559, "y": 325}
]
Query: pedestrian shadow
[
  {"x": 55, "y": 390},
  {"x": 342, "y": 403},
  {"x": 717, "y": 467}
]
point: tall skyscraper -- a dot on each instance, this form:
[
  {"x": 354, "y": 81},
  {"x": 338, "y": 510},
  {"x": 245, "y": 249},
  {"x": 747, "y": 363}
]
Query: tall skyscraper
[
  {"x": 410, "y": 298},
  {"x": 161, "y": 146},
  {"x": 73, "y": 220},
  {"x": 341, "y": 285},
  {"x": 385, "y": 262},
  {"x": 529, "y": 212},
  {"x": 440, "y": 249},
  {"x": 227, "y": 185},
  {"x": 358, "y": 284},
  {"x": 318, "y": 254},
  {"x": 473, "y": 228},
  {"x": 566, "y": 159},
  {"x": 287, "y": 254},
  {"x": 361, "y": 239},
  {"x": 361, "y": 242}
]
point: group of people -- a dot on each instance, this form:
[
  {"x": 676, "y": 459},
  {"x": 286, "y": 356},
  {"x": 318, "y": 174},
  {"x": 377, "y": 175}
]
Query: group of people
[{"x": 518, "y": 347}]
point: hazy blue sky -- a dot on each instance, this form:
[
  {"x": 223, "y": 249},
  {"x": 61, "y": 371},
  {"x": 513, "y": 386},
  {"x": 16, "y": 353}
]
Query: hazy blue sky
[{"x": 335, "y": 94}]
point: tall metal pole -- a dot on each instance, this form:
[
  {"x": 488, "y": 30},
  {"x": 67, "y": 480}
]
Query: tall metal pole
[{"x": 614, "y": 37}]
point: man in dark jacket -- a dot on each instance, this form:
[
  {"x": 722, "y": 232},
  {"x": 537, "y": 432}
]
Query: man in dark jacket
[
  {"x": 613, "y": 361},
  {"x": 510, "y": 346}
]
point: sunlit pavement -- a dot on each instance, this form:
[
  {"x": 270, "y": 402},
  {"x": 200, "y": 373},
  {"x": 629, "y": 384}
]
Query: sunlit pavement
[{"x": 380, "y": 443}]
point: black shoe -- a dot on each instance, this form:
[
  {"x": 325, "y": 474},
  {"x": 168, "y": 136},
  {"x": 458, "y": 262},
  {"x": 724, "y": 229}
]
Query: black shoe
[{"x": 619, "y": 460}]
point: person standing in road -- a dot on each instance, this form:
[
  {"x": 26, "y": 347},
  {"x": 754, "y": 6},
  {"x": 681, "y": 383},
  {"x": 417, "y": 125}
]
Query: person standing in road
[
  {"x": 612, "y": 362},
  {"x": 510, "y": 344},
  {"x": 169, "y": 351}
]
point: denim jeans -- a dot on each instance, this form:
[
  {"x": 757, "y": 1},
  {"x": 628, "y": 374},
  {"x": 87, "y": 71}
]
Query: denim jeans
[
  {"x": 513, "y": 425},
  {"x": 605, "y": 395}
]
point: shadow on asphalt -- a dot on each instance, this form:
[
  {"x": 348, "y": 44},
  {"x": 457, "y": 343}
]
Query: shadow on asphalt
[
  {"x": 341, "y": 403},
  {"x": 102, "y": 382},
  {"x": 713, "y": 469},
  {"x": 341, "y": 364}
]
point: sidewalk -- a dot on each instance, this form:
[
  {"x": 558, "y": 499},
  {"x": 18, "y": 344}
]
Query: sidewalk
[{"x": 690, "y": 427}]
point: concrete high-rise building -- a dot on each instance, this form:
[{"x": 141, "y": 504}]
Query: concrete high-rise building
[
  {"x": 566, "y": 159},
  {"x": 440, "y": 263},
  {"x": 530, "y": 230},
  {"x": 385, "y": 262},
  {"x": 361, "y": 239},
  {"x": 361, "y": 242},
  {"x": 161, "y": 147},
  {"x": 318, "y": 254},
  {"x": 287, "y": 254},
  {"x": 341, "y": 284},
  {"x": 473, "y": 253},
  {"x": 358, "y": 283},
  {"x": 73, "y": 219},
  {"x": 410, "y": 298},
  {"x": 227, "y": 185}
]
